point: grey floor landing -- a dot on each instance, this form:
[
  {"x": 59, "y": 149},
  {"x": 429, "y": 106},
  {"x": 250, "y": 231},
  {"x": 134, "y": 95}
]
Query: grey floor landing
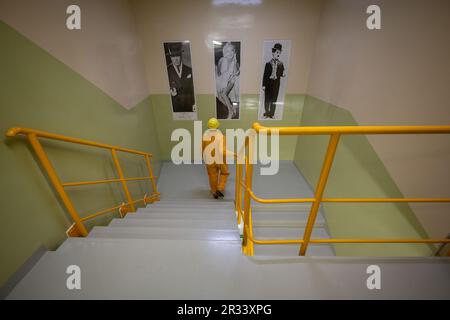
[
  {"x": 191, "y": 182},
  {"x": 187, "y": 246}
]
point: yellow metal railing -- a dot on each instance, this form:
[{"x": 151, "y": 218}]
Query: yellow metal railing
[
  {"x": 78, "y": 228},
  {"x": 335, "y": 132}
]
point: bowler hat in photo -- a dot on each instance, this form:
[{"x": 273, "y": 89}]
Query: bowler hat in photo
[
  {"x": 174, "y": 49},
  {"x": 277, "y": 46}
]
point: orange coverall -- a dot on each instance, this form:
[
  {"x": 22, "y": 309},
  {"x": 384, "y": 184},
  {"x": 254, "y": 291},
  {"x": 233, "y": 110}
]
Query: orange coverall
[{"x": 217, "y": 172}]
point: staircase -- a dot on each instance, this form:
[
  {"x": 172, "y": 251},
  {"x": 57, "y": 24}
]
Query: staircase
[
  {"x": 188, "y": 246},
  {"x": 192, "y": 214}
]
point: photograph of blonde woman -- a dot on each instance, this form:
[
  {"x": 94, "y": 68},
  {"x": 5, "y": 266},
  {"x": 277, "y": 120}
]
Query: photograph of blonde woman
[{"x": 227, "y": 74}]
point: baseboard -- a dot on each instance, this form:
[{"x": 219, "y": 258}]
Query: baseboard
[{"x": 11, "y": 283}]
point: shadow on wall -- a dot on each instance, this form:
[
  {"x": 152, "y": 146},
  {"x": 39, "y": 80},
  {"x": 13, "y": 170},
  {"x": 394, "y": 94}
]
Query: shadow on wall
[{"x": 357, "y": 172}]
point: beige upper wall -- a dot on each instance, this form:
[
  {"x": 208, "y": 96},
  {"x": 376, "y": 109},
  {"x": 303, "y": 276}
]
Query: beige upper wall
[
  {"x": 106, "y": 51},
  {"x": 201, "y": 22},
  {"x": 398, "y": 75}
]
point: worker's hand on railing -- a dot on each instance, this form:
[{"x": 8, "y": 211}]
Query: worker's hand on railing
[{"x": 231, "y": 154}]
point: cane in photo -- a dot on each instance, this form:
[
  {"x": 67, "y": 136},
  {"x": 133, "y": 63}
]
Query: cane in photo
[{"x": 276, "y": 55}]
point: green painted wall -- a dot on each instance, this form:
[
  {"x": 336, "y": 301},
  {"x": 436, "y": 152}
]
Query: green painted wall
[
  {"x": 38, "y": 91},
  {"x": 206, "y": 109},
  {"x": 357, "y": 172}
]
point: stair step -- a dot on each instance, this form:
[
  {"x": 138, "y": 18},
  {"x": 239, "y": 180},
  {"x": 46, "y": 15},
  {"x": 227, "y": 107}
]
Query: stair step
[
  {"x": 284, "y": 216},
  {"x": 164, "y": 233},
  {"x": 295, "y": 207},
  {"x": 178, "y": 223},
  {"x": 286, "y": 223},
  {"x": 292, "y": 250},
  {"x": 181, "y": 215},
  {"x": 139, "y": 246},
  {"x": 187, "y": 209},
  {"x": 194, "y": 200},
  {"x": 287, "y": 233},
  {"x": 215, "y": 203},
  {"x": 276, "y": 233}
]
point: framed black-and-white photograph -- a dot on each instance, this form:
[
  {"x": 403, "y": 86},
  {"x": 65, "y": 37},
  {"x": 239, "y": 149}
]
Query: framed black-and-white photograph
[
  {"x": 181, "y": 80},
  {"x": 275, "y": 66},
  {"x": 227, "y": 61}
]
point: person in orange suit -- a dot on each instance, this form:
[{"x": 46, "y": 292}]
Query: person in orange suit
[{"x": 214, "y": 155}]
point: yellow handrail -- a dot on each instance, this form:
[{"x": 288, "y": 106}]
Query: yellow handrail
[
  {"x": 342, "y": 200},
  {"x": 78, "y": 228},
  {"x": 26, "y": 131},
  {"x": 286, "y": 131},
  {"x": 335, "y": 133},
  {"x": 83, "y": 183}
]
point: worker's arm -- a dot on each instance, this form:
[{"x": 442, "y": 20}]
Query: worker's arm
[
  {"x": 224, "y": 152},
  {"x": 231, "y": 153}
]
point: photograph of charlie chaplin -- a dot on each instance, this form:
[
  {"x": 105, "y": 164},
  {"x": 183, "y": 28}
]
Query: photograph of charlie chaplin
[
  {"x": 227, "y": 59},
  {"x": 181, "y": 82},
  {"x": 276, "y": 60}
]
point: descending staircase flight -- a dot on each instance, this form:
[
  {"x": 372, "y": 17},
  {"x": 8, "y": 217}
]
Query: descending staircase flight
[{"x": 188, "y": 246}]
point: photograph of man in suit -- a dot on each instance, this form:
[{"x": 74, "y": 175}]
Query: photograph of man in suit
[
  {"x": 180, "y": 79},
  {"x": 273, "y": 71}
]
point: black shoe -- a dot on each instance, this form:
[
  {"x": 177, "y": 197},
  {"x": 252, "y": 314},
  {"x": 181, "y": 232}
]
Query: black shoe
[
  {"x": 215, "y": 195},
  {"x": 219, "y": 193}
]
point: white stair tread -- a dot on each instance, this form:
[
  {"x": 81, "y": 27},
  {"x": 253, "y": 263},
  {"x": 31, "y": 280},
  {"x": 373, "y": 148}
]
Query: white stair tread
[
  {"x": 293, "y": 250},
  {"x": 287, "y": 233},
  {"x": 182, "y": 215},
  {"x": 181, "y": 210},
  {"x": 213, "y": 224},
  {"x": 284, "y": 216},
  {"x": 189, "y": 201},
  {"x": 164, "y": 233},
  {"x": 197, "y": 203},
  {"x": 294, "y": 207}
]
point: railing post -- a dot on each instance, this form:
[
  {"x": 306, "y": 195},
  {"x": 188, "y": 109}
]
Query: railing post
[
  {"x": 238, "y": 192},
  {"x": 121, "y": 178},
  {"x": 150, "y": 172},
  {"x": 326, "y": 167},
  {"x": 248, "y": 245},
  {"x": 56, "y": 183}
]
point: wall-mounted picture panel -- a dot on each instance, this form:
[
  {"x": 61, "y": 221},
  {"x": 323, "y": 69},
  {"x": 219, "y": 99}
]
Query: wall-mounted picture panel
[
  {"x": 275, "y": 66},
  {"x": 227, "y": 60},
  {"x": 181, "y": 80}
]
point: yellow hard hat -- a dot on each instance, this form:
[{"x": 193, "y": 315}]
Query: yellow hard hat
[{"x": 213, "y": 123}]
